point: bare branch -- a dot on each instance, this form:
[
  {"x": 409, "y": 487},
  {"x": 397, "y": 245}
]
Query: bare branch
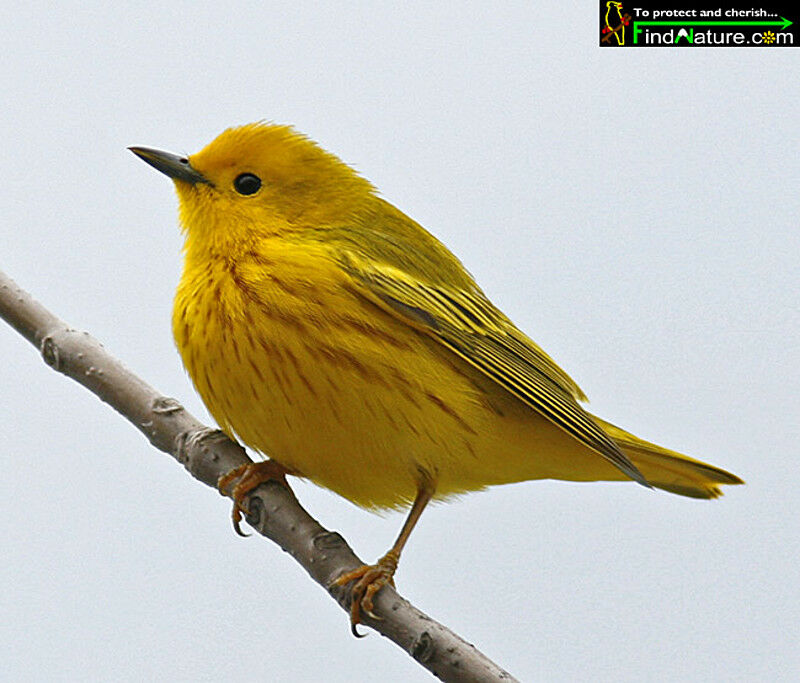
[{"x": 208, "y": 454}]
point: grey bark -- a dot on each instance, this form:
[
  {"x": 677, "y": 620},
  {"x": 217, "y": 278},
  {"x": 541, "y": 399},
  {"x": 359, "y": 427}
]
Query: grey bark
[{"x": 208, "y": 454}]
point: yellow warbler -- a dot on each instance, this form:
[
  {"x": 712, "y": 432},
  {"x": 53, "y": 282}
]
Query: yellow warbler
[{"x": 327, "y": 330}]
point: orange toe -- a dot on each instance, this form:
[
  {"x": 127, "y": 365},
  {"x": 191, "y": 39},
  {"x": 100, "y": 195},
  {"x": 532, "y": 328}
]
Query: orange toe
[
  {"x": 369, "y": 578},
  {"x": 249, "y": 477}
]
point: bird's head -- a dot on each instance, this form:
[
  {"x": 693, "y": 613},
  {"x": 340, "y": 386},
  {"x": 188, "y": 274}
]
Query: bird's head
[{"x": 257, "y": 180}]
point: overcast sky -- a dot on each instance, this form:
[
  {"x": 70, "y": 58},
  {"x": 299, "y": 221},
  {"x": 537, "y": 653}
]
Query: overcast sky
[{"x": 636, "y": 212}]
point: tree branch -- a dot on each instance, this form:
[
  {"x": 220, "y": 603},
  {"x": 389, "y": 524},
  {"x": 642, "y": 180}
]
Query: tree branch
[{"x": 208, "y": 454}]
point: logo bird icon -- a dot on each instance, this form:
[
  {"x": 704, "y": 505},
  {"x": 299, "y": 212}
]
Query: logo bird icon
[{"x": 614, "y": 19}]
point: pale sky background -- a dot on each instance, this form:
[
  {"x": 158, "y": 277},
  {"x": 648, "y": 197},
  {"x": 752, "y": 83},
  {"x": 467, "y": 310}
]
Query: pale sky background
[{"x": 636, "y": 212}]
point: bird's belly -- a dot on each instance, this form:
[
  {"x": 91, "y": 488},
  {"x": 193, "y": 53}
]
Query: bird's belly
[
  {"x": 365, "y": 406},
  {"x": 327, "y": 417},
  {"x": 355, "y": 402}
]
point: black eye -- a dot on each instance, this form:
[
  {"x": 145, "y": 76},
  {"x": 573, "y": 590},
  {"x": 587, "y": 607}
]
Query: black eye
[{"x": 247, "y": 183}]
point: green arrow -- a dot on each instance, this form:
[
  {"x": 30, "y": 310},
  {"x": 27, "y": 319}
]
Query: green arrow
[{"x": 784, "y": 23}]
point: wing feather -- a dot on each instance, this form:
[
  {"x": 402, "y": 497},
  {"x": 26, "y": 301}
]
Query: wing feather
[{"x": 468, "y": 324}]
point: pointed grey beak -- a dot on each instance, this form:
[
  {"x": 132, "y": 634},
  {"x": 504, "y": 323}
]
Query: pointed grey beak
[{"x": 177, "y": 168}]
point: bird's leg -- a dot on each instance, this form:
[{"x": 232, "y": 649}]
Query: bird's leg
[
  {"x": 248, "y": 477},
  {"x": 370, "y": 578}
]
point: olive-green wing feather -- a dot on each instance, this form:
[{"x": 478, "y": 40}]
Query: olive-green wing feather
[{"x": 467, "y": 323}]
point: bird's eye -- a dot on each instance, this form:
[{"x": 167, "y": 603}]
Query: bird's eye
[{"x": 247, "y": 183}]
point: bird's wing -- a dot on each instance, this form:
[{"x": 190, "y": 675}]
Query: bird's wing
[{"x": 468, "y": 324}]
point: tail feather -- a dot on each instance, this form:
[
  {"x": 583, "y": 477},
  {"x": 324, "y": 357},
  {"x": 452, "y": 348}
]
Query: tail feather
[{"x": 669, "y": 470}]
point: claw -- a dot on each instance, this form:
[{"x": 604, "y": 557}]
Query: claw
[
  {"x": 236, "y": 517},
  {"x": 248, "y": 477},
  {"x": 369, "y": 578}
]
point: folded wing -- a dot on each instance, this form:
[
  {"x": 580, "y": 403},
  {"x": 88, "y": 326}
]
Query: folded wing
[{"x": 468, "y": 324}]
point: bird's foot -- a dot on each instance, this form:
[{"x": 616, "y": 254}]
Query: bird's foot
[
  {"x": 248, "y": 477},
  {"x": 370, "y": 578}
]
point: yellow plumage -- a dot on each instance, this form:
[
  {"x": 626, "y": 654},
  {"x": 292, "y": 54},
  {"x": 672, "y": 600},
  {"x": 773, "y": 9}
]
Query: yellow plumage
[
  {"x": 329, "y": 331},
  {"x": 310, "y": 318}
]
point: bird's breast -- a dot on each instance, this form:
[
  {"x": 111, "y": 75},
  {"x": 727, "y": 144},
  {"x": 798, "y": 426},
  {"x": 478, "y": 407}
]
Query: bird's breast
[{"x": 303, "y": 370}]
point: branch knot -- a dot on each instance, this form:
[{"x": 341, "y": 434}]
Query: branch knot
[{"x": 50, "y": 354}]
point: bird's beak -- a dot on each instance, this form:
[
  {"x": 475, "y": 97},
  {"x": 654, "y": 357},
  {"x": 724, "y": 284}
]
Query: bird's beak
[{"x": 177, "y": 168}]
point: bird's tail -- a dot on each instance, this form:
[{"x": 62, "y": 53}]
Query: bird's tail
[{"x": 668, "y": 470}]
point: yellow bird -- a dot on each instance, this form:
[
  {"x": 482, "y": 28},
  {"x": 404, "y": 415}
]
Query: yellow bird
[
  {"x": 614, "y": 18},
  {"x": 327, "y": 330}
]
